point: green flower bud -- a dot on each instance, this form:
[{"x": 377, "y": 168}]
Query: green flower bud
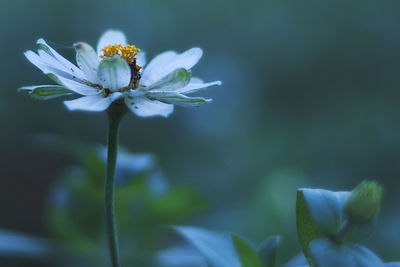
[{"x": 363, "y": 203}]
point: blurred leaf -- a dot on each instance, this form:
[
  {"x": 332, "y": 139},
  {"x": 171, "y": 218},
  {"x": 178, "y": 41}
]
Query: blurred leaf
[
  {"x": 144, "y": 202},
  {"x": 21, "y": 245},
  {"x": 392, "y": 264},
  {"x": 307, "y": 230},
  {"x": 328, "y": 254},
  {"x": 268, "y": 249},
  {"x": 318, "y": 214},
  {"x": 75, "y": 214},
  {"x": 358, "y": 232},
  {"x": 247, "y": 256},
  {"x": 127, "y": 162},
  {"x": 325, "y": 208},
  {"x": 179, "y": 203},
  {"x": 298, "y": 261},
  {"x": 217, "y": 248},
  {"x": 273, "y": 204},
  {"x": 180, "y": 256}
]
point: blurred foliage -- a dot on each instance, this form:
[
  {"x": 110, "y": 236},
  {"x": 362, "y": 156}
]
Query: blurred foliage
[
  {"x": 328, "y": 234},
  {"x": 145, "y": 205}
]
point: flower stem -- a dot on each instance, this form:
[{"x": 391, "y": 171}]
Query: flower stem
[
  {"x": 114, "y": 118},
  {"x": 344, "y": 229}
]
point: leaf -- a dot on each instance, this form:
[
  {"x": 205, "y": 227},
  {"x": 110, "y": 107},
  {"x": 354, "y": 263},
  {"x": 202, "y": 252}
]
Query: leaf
[
  {"x": 217, "y": 248},
  {"x": 268, "y": 249},
  {"x": 318, "y": 214},
  {"x": 21, "y": 245},
  {"x": 328, "y": 254},
  {"x": 298, "y": 261},
  {"x": 46, "y": 92},
  {"x": 392, "y": 264},
  {"x": 307, "y": 230},
  {"x": 179, "y": 256},
  {"x": 325, "y": 208},
  {"x": 247, "y": 256},
  {"x": 358, "y": 233}
]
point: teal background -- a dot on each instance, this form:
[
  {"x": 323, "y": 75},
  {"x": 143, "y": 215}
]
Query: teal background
[{"x": 309, "y": 99}]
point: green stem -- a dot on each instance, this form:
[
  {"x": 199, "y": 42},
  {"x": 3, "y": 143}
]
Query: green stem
[
  {"x": 114, "y": 116},
  {"x": 344, "y": 229}
]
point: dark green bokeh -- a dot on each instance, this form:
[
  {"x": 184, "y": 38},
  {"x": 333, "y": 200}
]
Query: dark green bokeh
[{"x": 309, "y": 98}]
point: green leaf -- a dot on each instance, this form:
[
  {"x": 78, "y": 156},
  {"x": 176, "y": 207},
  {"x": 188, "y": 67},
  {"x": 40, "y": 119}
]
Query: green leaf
[
  {"x": 46, "y": 92},
  {"x": 247, "y": 256},
  {"x": 318, "y": 214},
  {"x": 268, "y": 249},
  {"x": 176, "y": 80},
  {"x": 217, "y": 248},
  {"x": 307, "y": 230},
  {"x": 358, "y": 233},
  {"x": 328, "y": 254},
  {"x": 325, "y": 208}
]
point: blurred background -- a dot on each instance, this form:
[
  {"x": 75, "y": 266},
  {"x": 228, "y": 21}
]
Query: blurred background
[{"x": 309, "y": 99}]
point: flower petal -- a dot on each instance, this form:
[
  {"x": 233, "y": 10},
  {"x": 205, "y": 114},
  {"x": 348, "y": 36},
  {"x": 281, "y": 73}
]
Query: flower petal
[
  {"x": 114, "y": 73},
  {"x": 144, "y": 107},
  {"x": 51, "y": 61},
  {"x": 168, "y": 62},
  {"x": 36, "y": 60},
  {"x": 110, "y": 37},
  {"x": 45, "y": 92},
  {"x": 77, "y": 87},
  {"x": 47, "y": 68},
  {"x": 69, "y": 67},
  {"x": 179, "y": 99},
  {"x": 87, "y": 60},
  {"x": 196, "y": 85},
  {"x": 160, "y": 60},
  {"x": 92, "y": 103},
  {"x": 176, "y": 80},
  {"x": 141, "y": 59}
]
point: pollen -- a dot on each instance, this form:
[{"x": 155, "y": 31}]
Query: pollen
[{"x": 127, "y": 52}]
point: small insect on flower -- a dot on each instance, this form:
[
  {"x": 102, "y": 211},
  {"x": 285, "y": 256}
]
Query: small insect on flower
[{"x": 117, "y": 71}]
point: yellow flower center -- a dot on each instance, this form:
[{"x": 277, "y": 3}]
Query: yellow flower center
[{"x": 127, "y": 52}]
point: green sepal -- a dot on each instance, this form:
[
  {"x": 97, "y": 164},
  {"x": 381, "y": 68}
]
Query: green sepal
[
  {"x": 178, "y": 99},
  {"x": 46, "y": 92},
  {"x": 176, "y": 80}
]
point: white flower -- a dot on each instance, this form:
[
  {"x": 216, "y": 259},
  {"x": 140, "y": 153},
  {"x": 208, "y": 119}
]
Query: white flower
[{"x": 115, "y": 72}]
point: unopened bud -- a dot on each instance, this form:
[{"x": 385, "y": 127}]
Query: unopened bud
[{"x": 364, "y": 202}]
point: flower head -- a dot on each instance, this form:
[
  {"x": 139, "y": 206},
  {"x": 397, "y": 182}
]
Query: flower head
[{"x": 117, "y": 71}]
